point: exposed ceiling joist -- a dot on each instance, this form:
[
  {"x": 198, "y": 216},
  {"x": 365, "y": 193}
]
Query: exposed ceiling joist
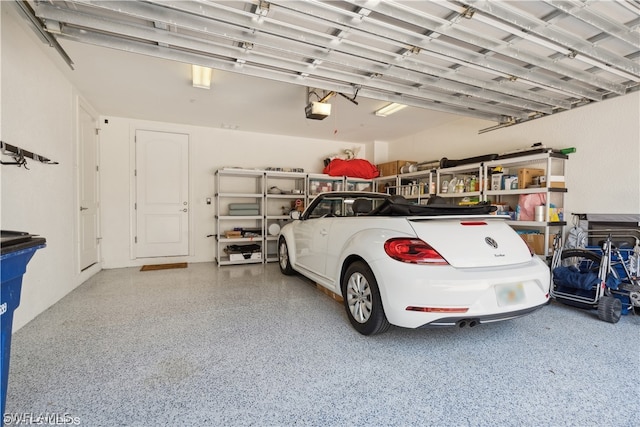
[
  {"x": 581, "y": 10},
  {"x": 506, "y": 62},
  {"x": 564, "y": 39}
]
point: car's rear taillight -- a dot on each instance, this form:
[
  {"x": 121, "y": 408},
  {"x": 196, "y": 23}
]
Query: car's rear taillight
[{"x": 413, "y": 251}]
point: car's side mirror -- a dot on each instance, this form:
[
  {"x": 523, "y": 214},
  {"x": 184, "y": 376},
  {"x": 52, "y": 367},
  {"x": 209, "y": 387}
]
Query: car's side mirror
[{"x": 295, "y": 214}]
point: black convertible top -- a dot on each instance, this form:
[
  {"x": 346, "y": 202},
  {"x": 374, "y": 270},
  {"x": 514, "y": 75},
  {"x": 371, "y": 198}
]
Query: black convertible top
[
  {"x": 399, "y": 206},
  {"x": 380, "y": 204}
]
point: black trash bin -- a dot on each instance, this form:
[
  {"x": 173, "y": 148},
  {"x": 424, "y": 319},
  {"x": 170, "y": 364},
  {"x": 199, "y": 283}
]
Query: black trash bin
[{"x": 16, "y": 250}]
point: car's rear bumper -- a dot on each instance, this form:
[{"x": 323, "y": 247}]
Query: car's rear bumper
[
  {"x": 415, "y": 296},
  {"x": 471, "y": 321}
]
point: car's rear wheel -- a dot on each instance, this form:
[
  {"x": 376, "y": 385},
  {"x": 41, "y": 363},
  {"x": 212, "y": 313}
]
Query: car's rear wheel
[
  {"x": 283, "y": 258},
  {"x": 362, "y": 300}
]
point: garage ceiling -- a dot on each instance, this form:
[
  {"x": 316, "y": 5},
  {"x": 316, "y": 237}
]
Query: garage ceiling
[{"x": 501, "y": 61}]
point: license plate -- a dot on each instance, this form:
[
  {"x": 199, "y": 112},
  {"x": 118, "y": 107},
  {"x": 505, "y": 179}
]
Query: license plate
[{"x": 510, "y": 294}]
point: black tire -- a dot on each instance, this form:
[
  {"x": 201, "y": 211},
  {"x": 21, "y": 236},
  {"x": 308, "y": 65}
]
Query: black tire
[
  {"x": 362, "y": 300},
  {"x": 582, "y": 259},
  {"x": 609, "y": 309},
  {"x": 283, "y": 258},
  {"x": 585, "y": 260}
]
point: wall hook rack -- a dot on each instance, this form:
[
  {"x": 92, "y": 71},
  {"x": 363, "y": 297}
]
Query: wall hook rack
[{"x": 20, "y": 156}]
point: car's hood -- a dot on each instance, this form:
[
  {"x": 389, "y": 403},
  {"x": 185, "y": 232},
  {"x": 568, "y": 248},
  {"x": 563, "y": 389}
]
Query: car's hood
[{"x": 472, "y": 242}]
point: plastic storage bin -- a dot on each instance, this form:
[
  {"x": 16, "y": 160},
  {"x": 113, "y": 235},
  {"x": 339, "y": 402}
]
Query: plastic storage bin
[{"x": 16, "y": 250}]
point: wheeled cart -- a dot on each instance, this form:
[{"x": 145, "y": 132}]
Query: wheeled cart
[{"x": 601, "y": 277}]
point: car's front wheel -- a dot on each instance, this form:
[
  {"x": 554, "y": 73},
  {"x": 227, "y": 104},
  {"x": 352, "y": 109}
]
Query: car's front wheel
[
  {"x": 283, "y": 258},
  {"x": 362, "y": 300}
]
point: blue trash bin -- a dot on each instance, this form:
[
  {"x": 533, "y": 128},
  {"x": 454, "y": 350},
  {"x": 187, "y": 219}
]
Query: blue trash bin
[{"x": 16, "y": 249}]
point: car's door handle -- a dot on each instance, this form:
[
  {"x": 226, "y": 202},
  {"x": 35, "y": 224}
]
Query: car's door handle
[{"x": 324, "y": 232}]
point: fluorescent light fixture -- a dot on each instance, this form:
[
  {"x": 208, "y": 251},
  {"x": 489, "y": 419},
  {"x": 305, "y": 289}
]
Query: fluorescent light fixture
[
  {"x": 201, "y": 76},
  {"x": 389, "y": 109}
]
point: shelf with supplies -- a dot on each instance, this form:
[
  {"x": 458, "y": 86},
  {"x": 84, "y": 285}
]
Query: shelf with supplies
[
  {"x": 507, "y": 183},
  {"x": 383, "y": 183},
  {"x": 530, "y": 189},
  {"x": 285, "y": 191},
  {"x": 321, "y": 183},
  {"x": 462, "y": 183},
  {"x": 415, "y": 186},
  {"x": 537, "y": 178},
  {"x": 239, "y": 216},
  {"x": 253, "y": 205},
  {"x": 358, "y": 184}
]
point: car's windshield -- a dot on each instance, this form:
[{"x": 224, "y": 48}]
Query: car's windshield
[
  {"x": 328, "y": 207},
  {"x": 344, "y": 206}
]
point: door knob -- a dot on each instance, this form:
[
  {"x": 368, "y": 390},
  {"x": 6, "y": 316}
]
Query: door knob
[{"x": 82, "y": 208}]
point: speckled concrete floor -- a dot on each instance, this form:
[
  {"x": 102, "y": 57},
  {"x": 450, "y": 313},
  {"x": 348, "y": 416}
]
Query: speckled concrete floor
[{"x": 244, "y": 345}]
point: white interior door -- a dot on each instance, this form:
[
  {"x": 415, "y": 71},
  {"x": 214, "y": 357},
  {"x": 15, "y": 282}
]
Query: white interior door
[
  {"x": 88, "y": 147},
  {"x": 162, "y": 189}
]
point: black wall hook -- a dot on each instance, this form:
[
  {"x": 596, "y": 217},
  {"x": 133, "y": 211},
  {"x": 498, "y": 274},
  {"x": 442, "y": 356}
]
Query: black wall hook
[{"x": 20, "y": 156}]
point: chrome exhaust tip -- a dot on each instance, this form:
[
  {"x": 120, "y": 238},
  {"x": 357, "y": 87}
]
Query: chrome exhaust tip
[{"x": 462, "y": 323}]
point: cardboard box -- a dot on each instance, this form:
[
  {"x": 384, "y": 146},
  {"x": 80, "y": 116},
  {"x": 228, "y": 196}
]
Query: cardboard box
[
  {"x": 392, "y": 168},
  {"x": 536, "y": 242},
  {"x": 554, "y": 184},
  {"x": 232, "y": 234},
  {"x": 526, "y": 175},
  {"x": 555, "y": 181}
]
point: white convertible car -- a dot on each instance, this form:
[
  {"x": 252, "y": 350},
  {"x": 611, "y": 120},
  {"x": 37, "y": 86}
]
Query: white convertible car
[{"x": 413, "y": 266}]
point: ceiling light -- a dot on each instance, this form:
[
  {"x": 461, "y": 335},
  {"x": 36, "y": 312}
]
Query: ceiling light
[
  {"x": 389, "y": 109},
  {"x": 201, "y": 76}
]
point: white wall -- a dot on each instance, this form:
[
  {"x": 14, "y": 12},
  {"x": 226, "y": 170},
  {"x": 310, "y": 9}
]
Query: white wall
[
  {"x": 210, "y": 149},
  {"x": 603, "y": 176},
  {"x": 38, "y": 114}
]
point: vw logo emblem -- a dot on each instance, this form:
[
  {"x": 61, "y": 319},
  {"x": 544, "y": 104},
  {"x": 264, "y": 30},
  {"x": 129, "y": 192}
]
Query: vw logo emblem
[{"x": 489, "y": 241}]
